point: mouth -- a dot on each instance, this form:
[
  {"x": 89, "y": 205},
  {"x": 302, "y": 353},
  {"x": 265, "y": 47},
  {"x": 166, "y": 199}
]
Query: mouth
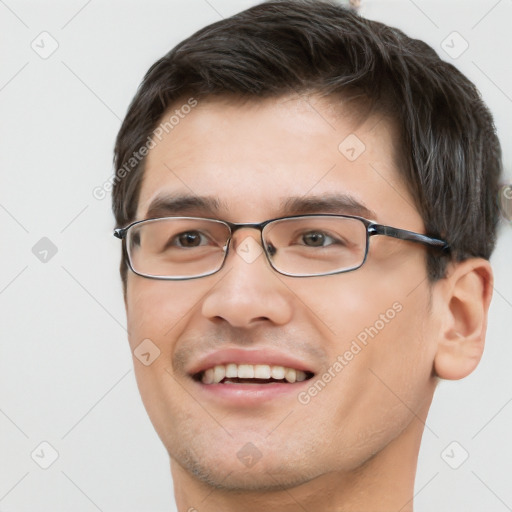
[
  {"x": 255, "y": 374},
  {"x": 246, "y": 379}
]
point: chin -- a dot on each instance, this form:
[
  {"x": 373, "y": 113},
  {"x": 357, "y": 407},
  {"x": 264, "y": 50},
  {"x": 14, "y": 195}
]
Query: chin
[{"x": 230, "y": 474}]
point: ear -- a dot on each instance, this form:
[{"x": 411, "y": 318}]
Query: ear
[{"x": 466, "y": 296}]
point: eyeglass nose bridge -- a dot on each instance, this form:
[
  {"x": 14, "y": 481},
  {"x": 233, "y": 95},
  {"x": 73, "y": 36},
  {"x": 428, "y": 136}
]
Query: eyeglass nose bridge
[{"x": 234, "y": 227}]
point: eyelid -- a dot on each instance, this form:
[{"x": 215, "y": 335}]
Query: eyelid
[{"x": 325, "y": 233}]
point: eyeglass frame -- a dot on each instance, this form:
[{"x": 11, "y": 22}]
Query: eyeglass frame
[{"x": 372, "y": 228}]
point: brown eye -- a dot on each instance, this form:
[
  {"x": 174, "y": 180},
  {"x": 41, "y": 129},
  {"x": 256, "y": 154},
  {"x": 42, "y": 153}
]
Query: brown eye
[
  {"x": 189, "y": 239},
  {"x": 314, "y": 239}
]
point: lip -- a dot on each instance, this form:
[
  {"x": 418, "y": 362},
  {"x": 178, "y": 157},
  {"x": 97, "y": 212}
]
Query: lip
[
  {"x": 255, "y": 356},
  {"x": 249, "y": 395}
]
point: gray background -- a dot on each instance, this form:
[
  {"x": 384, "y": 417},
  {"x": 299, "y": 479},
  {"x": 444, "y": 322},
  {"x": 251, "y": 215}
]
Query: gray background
[{"x": 66, "y": 373}]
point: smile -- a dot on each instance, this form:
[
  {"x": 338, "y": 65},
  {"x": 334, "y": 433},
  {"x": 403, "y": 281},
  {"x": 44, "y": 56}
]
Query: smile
[{"x": 232, "y": 373}]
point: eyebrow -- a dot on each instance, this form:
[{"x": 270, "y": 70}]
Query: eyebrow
[
  {"x": 177, "y": 205},
  {"x": 328, "y": 203},
  {"x": 172, "y": 204}
]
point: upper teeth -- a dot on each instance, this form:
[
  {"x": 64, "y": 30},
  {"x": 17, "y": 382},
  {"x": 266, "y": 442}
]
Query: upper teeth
[{"x": 251, "y": 371}]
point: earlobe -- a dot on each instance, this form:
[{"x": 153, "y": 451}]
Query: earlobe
[{"x": 467, "y": 296}]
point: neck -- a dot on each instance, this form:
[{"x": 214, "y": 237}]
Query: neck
[{"x": 384, "y": 483}]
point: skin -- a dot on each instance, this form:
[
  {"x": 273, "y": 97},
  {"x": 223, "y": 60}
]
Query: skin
[{"x": 354, "y": 446}]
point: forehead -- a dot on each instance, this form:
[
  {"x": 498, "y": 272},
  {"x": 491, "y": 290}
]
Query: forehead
[{"x": 252, "y": 157}]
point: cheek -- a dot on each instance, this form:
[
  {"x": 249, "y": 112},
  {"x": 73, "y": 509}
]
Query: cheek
[
  {"x": 381, "y": 350},
  {"x": 158, "y": 309},
  {"x": 157, "y": 313},
  {"x": 383, "y": 334},
  {"x": 344, "y": 306}
]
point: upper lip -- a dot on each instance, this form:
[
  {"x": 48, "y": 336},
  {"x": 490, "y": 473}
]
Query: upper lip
[{"x": 266, "y": 356}]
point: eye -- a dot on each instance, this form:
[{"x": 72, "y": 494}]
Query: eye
[
  {"x": 188, "y": 239},
  {"x": 317, "y": 239}
]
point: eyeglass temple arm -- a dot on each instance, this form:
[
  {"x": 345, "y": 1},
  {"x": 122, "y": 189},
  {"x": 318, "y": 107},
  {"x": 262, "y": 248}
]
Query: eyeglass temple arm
[{"x": 411, "y": 236}]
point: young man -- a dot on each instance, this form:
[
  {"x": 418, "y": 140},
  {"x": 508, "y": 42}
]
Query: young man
[{"x": 307, "y": 206}]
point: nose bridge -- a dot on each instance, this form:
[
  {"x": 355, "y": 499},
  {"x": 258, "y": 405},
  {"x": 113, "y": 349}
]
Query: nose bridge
[
  {"x": 235, "y": 240},
  {"x": 249, "y": 291}
]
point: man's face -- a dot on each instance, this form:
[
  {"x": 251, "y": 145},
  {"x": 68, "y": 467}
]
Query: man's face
[{"x": 367, "y": 335}]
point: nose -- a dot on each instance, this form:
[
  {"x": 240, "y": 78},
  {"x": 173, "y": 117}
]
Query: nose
[{"x": 249, "y": 292}]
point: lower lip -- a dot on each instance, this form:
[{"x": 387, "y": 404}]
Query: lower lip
[{"x": 251, "y": 394}]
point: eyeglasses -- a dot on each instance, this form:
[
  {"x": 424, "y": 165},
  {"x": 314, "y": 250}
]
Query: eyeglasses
[{"x": 177, "y": 248}]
